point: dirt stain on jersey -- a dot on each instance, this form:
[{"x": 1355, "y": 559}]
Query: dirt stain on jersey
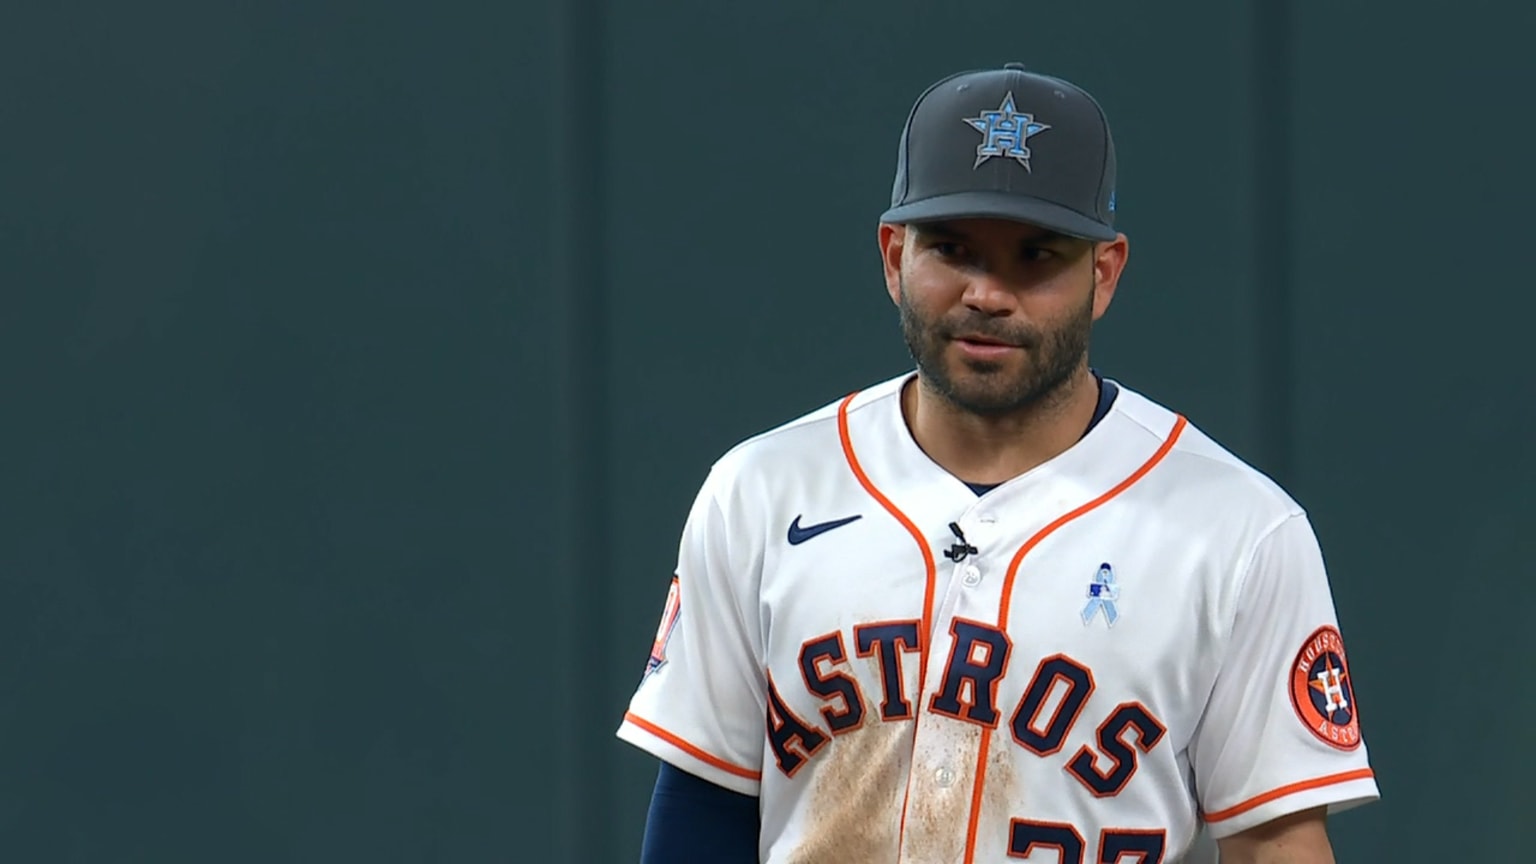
[
  {"x": 1003, "y": 798},
  {"x": 939, "y": 810},
  {"x": 855, "y": 803}
]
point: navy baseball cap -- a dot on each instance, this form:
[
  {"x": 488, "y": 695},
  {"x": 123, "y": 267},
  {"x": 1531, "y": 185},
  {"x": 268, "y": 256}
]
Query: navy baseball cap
[{"x": 1007, "y": 144}]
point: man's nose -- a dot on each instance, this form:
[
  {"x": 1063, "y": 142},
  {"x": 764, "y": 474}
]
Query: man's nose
[{"x": 987, "y": 293}]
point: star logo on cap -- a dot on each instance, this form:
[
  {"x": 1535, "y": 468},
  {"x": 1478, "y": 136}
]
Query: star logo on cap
[{"x": 1005, "y": 133}]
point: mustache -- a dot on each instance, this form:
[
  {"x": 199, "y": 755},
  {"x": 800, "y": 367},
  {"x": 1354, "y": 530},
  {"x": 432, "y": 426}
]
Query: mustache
[{"x": 990, "y": 329}]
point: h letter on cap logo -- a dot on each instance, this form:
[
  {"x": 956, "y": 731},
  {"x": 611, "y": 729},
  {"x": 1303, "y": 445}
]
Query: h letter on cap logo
[{"x": 1004, "y": 132}]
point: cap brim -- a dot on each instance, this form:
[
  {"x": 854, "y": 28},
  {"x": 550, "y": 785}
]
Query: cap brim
[{"x": 1000, "y": 205}]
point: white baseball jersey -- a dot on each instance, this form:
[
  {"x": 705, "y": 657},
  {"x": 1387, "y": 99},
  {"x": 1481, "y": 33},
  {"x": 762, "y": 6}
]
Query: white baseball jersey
[{"x": 1093, "y": 663}]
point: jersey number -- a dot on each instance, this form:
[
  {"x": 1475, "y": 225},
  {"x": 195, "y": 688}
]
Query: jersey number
[{"x": 1025, "y": 837}]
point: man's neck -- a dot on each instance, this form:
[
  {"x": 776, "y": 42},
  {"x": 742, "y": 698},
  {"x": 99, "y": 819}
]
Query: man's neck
[{"x": 991, "y": 450}]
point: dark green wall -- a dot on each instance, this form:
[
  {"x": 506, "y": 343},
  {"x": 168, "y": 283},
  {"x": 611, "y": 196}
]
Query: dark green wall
[{"x": 360, "y": 362}]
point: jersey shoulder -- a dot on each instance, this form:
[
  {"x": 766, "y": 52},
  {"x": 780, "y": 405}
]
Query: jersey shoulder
[
  {"x": 809, "y": 442},
  {"x": 1209, "y": 473}
]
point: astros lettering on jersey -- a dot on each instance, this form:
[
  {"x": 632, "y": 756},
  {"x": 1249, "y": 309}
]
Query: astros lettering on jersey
[{"x": 1093, "y": 662}]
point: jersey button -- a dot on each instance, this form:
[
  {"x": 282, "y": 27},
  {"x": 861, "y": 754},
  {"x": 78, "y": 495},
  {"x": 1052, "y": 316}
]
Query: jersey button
[
  {"x": 945, "y": 777},
  {"x": 972, "y": 575}
]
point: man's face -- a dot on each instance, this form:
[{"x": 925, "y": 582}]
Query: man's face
[{"x": 997, "y": 314}]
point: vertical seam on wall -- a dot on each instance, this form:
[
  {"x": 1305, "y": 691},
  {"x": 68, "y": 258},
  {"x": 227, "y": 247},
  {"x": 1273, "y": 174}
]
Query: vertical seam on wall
[
  {"x": 1273, "y": 248},
  {"x": 580, "y": 365}
]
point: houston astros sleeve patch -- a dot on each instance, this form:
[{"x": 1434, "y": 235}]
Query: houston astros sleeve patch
[{"x": 1321, "y": 691}]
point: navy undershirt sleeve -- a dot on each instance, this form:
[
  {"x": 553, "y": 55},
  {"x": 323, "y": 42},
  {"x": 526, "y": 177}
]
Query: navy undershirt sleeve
[{"x": 693, "y": 820}]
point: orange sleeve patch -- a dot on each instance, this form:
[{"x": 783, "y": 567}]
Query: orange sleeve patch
[
  {"x": 1322, "y": 692},
  {"x": 669, "y": 615}
]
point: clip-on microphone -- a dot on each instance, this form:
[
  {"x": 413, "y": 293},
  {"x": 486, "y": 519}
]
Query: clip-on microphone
[{"x": 958, "y": 551}]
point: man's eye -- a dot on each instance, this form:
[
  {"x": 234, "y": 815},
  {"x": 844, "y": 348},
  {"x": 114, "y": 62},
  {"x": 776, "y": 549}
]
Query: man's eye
[
  {"x": 1038, "y": 253},
  {"x": 949, "y": 250}
]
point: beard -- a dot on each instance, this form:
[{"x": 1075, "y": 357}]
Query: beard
[{"x": 994, "y": 389}]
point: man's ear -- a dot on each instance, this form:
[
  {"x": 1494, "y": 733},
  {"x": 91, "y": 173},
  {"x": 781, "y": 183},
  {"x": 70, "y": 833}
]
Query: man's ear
[
  {"x": 893, "y": 243},
  {"x": 1108, "y": 263}
]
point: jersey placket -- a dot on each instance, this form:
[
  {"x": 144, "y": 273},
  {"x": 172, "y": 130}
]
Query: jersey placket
[{"x": 953, "y": 713}]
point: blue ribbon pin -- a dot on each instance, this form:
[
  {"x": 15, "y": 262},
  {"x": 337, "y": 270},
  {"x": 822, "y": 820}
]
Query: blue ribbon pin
[{"x": 1102, "y": 594}]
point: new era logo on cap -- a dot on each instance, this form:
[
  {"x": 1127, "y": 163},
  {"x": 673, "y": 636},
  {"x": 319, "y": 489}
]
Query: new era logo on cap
[{"x": 1045, "y": 154}]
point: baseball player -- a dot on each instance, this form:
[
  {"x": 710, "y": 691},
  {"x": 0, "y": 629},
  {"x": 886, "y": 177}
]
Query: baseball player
[{"x": 999, "y": 607}]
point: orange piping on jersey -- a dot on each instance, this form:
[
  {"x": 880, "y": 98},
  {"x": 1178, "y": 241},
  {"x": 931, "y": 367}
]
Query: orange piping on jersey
[
  {"x": 1002, "y": 614},
  {"x": 922, "y": 544},
  {"x": 1292, "y": 789},
  {"x": 692, "y": 750},
  {"x": 929, "y": 573}
]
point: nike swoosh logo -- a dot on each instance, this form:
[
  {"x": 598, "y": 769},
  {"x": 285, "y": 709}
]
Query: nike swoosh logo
[{"x": 798, "y": 535}]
